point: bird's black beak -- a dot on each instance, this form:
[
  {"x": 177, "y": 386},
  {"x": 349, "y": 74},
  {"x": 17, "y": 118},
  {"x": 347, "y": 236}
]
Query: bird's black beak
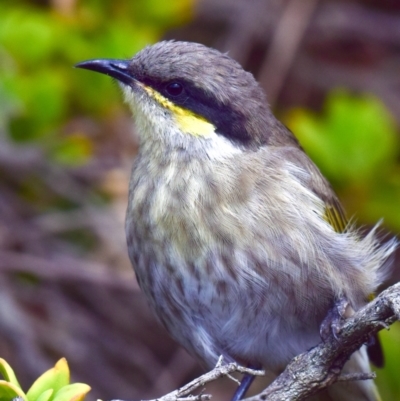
[{"x": 118, "y": 69}]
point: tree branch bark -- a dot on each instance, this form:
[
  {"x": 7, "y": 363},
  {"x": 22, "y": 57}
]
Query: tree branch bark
[{"x": 320, "y": 367}]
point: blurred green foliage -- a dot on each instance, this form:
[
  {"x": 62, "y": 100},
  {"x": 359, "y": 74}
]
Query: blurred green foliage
[
  {"x": 52, "y": 385},
  {"x": 39, "y": 89},
  {"x": 355, "y": 143},
  {"x": 388, "y": 379}
]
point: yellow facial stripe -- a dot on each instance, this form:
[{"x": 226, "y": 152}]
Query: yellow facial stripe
[
  {"x": 187, "y": 121},
  {"x": 192, "y": 123}
]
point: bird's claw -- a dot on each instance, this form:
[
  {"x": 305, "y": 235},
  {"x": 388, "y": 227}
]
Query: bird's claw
[{"x": 332, "y": 323}]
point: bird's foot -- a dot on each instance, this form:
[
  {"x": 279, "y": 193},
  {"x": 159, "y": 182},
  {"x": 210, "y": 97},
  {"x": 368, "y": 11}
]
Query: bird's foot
[{"x": 333, "y": 321}]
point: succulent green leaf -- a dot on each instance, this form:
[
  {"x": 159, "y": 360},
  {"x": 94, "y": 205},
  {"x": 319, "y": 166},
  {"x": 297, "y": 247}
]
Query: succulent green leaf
[
  {"x": 55, "y": 378},
  {"x": 72, "y": 392},
  {"x": 7, "y": 373},
  {"x": 46, "y": 395},
  {"x": 8, "y": 391}
]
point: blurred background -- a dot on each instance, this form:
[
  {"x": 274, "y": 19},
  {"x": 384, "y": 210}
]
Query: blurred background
[{"x": 331, "y": 70}]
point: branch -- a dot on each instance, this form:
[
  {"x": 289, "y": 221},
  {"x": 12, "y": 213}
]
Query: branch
[
  {"x": 318, "y": 368},
  {"x": 185, "y": 393}
]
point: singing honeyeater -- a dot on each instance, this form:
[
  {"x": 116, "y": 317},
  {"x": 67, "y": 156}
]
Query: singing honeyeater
[{"x": 237, "y": 240}]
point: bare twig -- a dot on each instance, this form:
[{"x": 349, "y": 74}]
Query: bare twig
[
  {"x": 285, "y": 43},
  {"x": 171, "y": 375},
  {"x": 356, "y": 376},
  {"x": 220, "y": 370},
  {"x": 66, "y": 268}
]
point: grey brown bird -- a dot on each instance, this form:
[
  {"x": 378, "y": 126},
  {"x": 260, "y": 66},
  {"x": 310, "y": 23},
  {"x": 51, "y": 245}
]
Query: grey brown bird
[{"x": 237, "y": 240}]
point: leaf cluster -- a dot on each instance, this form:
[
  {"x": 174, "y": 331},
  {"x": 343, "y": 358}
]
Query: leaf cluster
[
  {"x": 39, "y": 89},
  {"x": 52, "y": 385}
]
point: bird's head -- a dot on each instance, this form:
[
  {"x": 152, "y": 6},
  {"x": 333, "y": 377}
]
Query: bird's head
[{"x": 186, "y": 95}]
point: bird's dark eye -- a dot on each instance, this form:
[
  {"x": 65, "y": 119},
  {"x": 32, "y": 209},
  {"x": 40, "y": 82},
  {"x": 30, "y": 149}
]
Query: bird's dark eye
[{"x": 174, "y": 88}]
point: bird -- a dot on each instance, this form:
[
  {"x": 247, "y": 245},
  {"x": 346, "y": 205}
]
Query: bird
[{"x": 237, "y": 240}]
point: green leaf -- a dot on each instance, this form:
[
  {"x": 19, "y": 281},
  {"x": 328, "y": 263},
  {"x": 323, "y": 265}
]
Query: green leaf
[
  {"x": 72, "y": 392},
  {"x": 34, "y": 39},
  {"x": 55, "y": 378},
  {"x": 8, "y": 391},
  {"x": 7, "y": 373},
  {"x": 45, "y": 396}
]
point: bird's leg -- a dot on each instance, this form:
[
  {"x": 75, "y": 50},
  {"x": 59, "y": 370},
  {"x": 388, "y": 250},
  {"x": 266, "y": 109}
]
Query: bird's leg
[
  {"x": 334, "y": 319},
  {"x": 243, "y": 386}
]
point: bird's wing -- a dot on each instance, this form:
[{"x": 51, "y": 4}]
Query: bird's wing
[
  {"x": 335, "y": 216},
  {"x": 334, "y": 213},
  {"x": 283, "y": 139},
  {"x": 317, "y": 183}
]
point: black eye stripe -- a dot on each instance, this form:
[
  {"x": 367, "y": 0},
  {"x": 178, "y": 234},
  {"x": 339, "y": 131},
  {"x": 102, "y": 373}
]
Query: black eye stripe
[{"x": 229, "y": 122}]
